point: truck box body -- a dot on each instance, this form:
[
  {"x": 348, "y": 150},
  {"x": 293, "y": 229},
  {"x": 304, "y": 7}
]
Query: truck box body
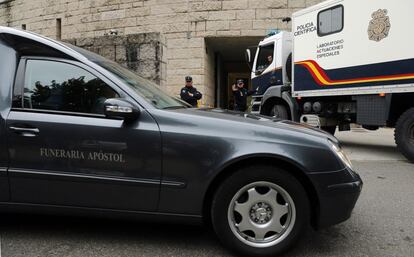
[{"x": 359, "y": 47}]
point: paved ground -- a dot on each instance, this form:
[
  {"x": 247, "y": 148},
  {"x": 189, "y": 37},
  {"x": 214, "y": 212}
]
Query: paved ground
[{"x": 382, "y": 223}]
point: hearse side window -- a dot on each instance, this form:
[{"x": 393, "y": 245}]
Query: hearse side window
[
  {"x": 58, "y": 86},
  {"x": 331, "y": 21},
  {"x": 265, "y": 57}
]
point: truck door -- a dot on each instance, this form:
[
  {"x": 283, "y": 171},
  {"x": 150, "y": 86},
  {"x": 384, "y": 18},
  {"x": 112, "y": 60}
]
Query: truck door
[
  {"x": 63, "y": 151},
  {"x": 265, "y": 68}
]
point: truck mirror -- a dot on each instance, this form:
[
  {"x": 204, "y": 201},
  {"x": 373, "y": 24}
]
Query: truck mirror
[
  {"x": 120, "y": 109},
  {"x": 248, "y": 56}
]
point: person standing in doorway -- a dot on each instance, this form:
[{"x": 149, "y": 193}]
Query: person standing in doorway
[
  {"x": 189, "y": 93},
  {"x": 240, "y": 96}
]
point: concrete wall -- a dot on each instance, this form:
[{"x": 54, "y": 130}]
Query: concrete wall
[{"x": 183, "y": 23}]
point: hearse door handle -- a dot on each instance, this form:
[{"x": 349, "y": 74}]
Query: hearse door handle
[{"x": 26, "y": 132}]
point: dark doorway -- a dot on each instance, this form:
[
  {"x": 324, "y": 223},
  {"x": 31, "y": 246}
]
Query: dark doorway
[{"x": 227, "y": 54}]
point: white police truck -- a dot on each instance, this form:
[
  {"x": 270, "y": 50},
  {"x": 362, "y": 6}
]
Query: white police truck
[{"x": 344, "y": 62}]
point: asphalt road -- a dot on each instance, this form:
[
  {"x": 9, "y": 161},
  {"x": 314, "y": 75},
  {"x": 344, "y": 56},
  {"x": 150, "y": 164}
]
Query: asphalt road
[{"x": 382, "y": 223}]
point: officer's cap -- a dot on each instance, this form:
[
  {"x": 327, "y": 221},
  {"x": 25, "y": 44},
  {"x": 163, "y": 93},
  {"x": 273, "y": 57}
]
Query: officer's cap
[
  {"x": 240, "y": 81},
  {"x": 188, "y": 79}
]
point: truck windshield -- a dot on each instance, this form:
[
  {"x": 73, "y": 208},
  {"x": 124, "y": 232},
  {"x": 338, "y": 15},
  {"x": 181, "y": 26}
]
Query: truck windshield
[
  {"x": 265, "y": 57},
  {"x": 143, "y": 87}
]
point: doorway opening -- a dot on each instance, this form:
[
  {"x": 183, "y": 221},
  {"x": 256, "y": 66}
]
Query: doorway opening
[{"x": 226, "y": 64}]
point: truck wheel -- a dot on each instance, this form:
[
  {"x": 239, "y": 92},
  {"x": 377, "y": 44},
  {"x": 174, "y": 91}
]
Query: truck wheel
[
  {"x": 330, "y": 129},
  {"x": 260, "y": 211},
  {"x": 279, "y": 111},
  {"x": 404, "y": 134}
]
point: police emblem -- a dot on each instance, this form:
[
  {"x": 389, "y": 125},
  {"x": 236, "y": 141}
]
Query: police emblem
[{"x": 379, "y": 26}]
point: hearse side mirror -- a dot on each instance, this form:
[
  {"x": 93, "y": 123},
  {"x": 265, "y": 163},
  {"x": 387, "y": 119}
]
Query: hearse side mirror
[{"x": 120, "y": 109}]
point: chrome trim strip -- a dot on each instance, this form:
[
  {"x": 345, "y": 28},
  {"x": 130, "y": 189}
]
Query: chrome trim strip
[
  {"x": 14, "y": 172},
  {"x": 88, "y": 115},
  {"x": 168, "y": 183},
  {"x": 3, "y": 171}
]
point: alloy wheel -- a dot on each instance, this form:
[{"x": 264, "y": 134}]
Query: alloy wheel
[{"x": 261, "y": 214}]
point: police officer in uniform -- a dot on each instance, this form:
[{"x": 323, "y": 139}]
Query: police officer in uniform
[
  {"x": 189, "y": 93},
  {"x": 240, "y": 96}
]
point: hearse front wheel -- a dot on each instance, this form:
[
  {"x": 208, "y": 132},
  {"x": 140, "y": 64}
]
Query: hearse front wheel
[{"x": 260, "y": 211}]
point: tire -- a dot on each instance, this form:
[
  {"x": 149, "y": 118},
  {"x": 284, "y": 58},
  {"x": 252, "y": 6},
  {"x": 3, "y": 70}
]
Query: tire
[
  {"x": 279, "y": 111},
  {"x": 404, "y": 134},
  {"x": 330, "y": 129},
  {"x": 289, "y": 67},
  {"x": 251, "y": 191}
]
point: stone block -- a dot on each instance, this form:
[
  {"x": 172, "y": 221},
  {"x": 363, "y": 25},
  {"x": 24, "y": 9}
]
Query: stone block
[
  {"x": 126, "y": 22},
  {"x": 254, "y": 32},
  {"x": 262, "y": 14},
  {"x": 125, "y": 6},
  {"x": 238, "y": 25},
  {"x": 267, "y": 4},
  {"x": 265, "y": 24},
  {"x": 222, "y": 15},
  {"x": 228, "y": 33},
  {"x": 297, "y": 3},
  {"x": 138, "y": 12},
  {"x": 280, "y": 13},
  {"x": 133, "y": 30},
  {"x": 206, "y": 33},
  {"x": 175, "y": 27},
  {"x": 106, "y": 8},
  {"x": 312, "y": 2},
  {"x": 205, "y": 6},
  {"x": 110, "y": 15},
  {"x": 245, "y": 14},
  {"x": 198, "y": 16},
  {"x": 185, "y": 43},
  {"x": 235, "y": 5},
  {"x": 186, "y": 63},
  {"x": 200, "y": 26},
  {"x": 138, "y": 3},
  {"x": 217, "y": 25}
]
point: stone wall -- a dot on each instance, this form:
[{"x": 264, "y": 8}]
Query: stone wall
[
  {"x": 184, "y": 23},
  {"x": 141, "y": 53}
]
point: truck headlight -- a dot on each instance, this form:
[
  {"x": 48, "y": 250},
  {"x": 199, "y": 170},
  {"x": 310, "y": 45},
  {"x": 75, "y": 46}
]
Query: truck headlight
[{"x": 341, "y": 155}]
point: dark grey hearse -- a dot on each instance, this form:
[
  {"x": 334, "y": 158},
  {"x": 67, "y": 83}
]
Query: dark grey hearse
[{"x": 80, "y": 134}]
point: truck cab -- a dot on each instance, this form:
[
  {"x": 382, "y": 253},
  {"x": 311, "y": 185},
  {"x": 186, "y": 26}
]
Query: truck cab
[{"x": 272, "y": 76}]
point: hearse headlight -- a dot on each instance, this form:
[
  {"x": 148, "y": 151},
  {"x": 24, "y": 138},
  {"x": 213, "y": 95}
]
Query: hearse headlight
[{"x": 339, "y": 152}]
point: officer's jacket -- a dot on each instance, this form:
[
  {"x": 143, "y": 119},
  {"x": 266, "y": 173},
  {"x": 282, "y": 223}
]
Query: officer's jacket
[
  {"x": 185, "y": 95},
  {"x": 240, "y": 98}
]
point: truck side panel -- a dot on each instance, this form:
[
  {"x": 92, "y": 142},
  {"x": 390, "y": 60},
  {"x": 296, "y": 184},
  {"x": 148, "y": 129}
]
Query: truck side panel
[
  {"x": 373, "y": 52},
  {"x": 7, "y": 72}
]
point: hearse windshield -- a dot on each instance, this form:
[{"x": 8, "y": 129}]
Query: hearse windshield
[{"x": 143, "y": 87}]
